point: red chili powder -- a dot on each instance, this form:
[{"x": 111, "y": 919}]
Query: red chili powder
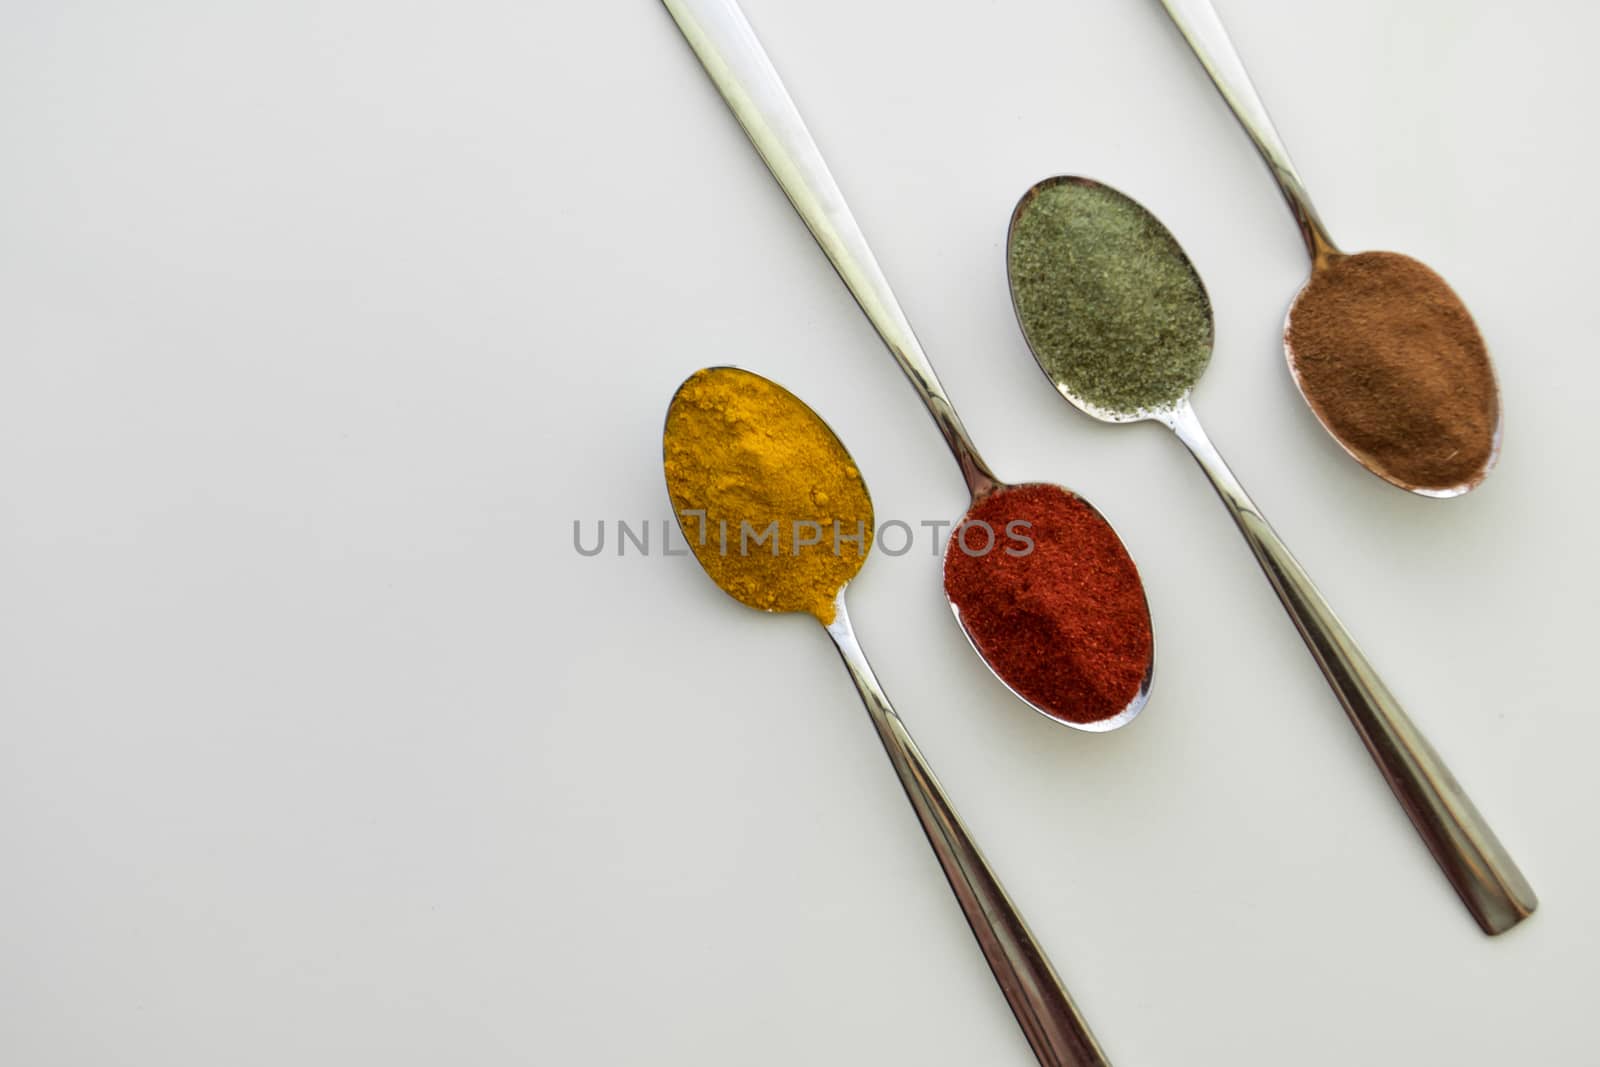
[{"x": 1065, "y": 624}]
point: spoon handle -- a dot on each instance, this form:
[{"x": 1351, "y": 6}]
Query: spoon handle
[
  {"x": 1474, "y": 861},
  {"x": 727, "y": 47},
  {"x": 1058, "y": 1033},
  {"x": 1200, "y": 25}
]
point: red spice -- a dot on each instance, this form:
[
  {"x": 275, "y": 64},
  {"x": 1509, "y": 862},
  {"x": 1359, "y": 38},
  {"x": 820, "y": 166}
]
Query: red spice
[{"x": 1065, "y": 624}]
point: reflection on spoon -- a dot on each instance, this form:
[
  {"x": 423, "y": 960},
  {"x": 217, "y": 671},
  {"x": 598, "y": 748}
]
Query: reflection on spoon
[
  {"x": 1384, "y": 352},
  {"x": 722, "y": 475},
  {"x": 1087, "y": 669},
  {"x": 1101, "y": 286}
]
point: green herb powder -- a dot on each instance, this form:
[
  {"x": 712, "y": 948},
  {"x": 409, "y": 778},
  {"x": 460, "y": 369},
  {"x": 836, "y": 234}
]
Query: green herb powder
[{"x": 1108, "y": 301}]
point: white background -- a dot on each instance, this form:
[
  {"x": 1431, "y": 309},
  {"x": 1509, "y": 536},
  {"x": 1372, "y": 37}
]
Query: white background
[{"x": 320, "y": 324}]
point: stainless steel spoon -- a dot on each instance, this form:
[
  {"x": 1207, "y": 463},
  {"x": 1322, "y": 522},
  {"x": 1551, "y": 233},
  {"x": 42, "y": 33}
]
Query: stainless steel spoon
[
  {"x": 1200, "y": 25},
  {"x": 1472, "y": 858},
  {"x": 727, "y": 47},
  {"x": 1058, "y": 1033}
]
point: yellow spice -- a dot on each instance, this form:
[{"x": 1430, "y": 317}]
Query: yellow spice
[{"x": 749, "y": 454}]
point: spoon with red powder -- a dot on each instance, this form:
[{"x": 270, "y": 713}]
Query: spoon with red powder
[
  {"x": 1382, "y": 349},
  {"x": 1040, "y": 582},
  {"x": 1118, "y": 319}
]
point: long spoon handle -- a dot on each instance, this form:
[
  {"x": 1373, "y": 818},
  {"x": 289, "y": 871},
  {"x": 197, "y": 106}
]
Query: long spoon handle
[
  {"x": 1058, "y": 1033},
  {"x": 1473, "y": 859},
  {"x": 1200, "y": 25},
  {"x": 721, "y": 37}
]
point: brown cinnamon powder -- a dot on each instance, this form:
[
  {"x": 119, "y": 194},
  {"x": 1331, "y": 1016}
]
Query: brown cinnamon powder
[{"x": 1392, "y": 363}]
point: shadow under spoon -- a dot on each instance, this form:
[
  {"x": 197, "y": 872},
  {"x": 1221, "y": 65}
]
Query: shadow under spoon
[
  {"x": 1411, "y": 395},
  {"x": 1107, "y": 674},
  {"x": 1119, "y": 321},
  {"x": 703, "y": 455}
]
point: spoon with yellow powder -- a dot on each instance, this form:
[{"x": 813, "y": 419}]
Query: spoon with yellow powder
[
  {"x": 783, "y": 528},
  {"x": 1064, "y": 626}
]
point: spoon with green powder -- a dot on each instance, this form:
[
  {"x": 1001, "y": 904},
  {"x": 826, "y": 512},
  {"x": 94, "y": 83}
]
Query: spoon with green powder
[
  {"x": 723, "y": 475},
  {"x": 1120, "y": 323},
  {"x": 1384, "y": 352},
  {"x": 1065, "y": 626}
]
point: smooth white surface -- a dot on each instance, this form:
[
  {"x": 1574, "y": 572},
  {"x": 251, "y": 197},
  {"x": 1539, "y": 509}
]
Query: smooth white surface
[{"x": 322, "y": 322}]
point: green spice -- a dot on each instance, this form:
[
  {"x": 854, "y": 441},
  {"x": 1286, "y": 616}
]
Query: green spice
[{"x": 1110, "y": 305}]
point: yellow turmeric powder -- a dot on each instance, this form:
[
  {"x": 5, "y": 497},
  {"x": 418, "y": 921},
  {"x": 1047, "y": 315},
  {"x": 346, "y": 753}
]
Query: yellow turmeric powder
[{"x": 768, "y": 499}]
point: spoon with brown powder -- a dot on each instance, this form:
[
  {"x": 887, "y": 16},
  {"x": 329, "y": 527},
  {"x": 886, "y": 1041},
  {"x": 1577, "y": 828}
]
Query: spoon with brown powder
[
  {"x": 1385, "y": 354},
  {"x": 1064, "y": 624}
]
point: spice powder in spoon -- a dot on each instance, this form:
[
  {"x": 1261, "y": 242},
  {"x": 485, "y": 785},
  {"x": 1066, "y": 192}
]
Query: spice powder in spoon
[
  {"x": 767, "y": 497},
  {"x": 1107, "y": 298},
  {"x": 1390, "y": 359},
  {"x": 1059, "y": 611}
]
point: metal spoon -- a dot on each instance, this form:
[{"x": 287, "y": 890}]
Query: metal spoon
[
  {"x": 1058, "y": 1033},
  {"x": 1203, "y": 29},
  {"x": 727, "y": 47},
  {"x": 1473, "y": 859}
]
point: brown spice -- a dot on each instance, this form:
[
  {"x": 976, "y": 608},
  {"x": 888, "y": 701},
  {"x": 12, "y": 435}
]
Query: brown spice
[{"x": 1392, "y": 363}]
